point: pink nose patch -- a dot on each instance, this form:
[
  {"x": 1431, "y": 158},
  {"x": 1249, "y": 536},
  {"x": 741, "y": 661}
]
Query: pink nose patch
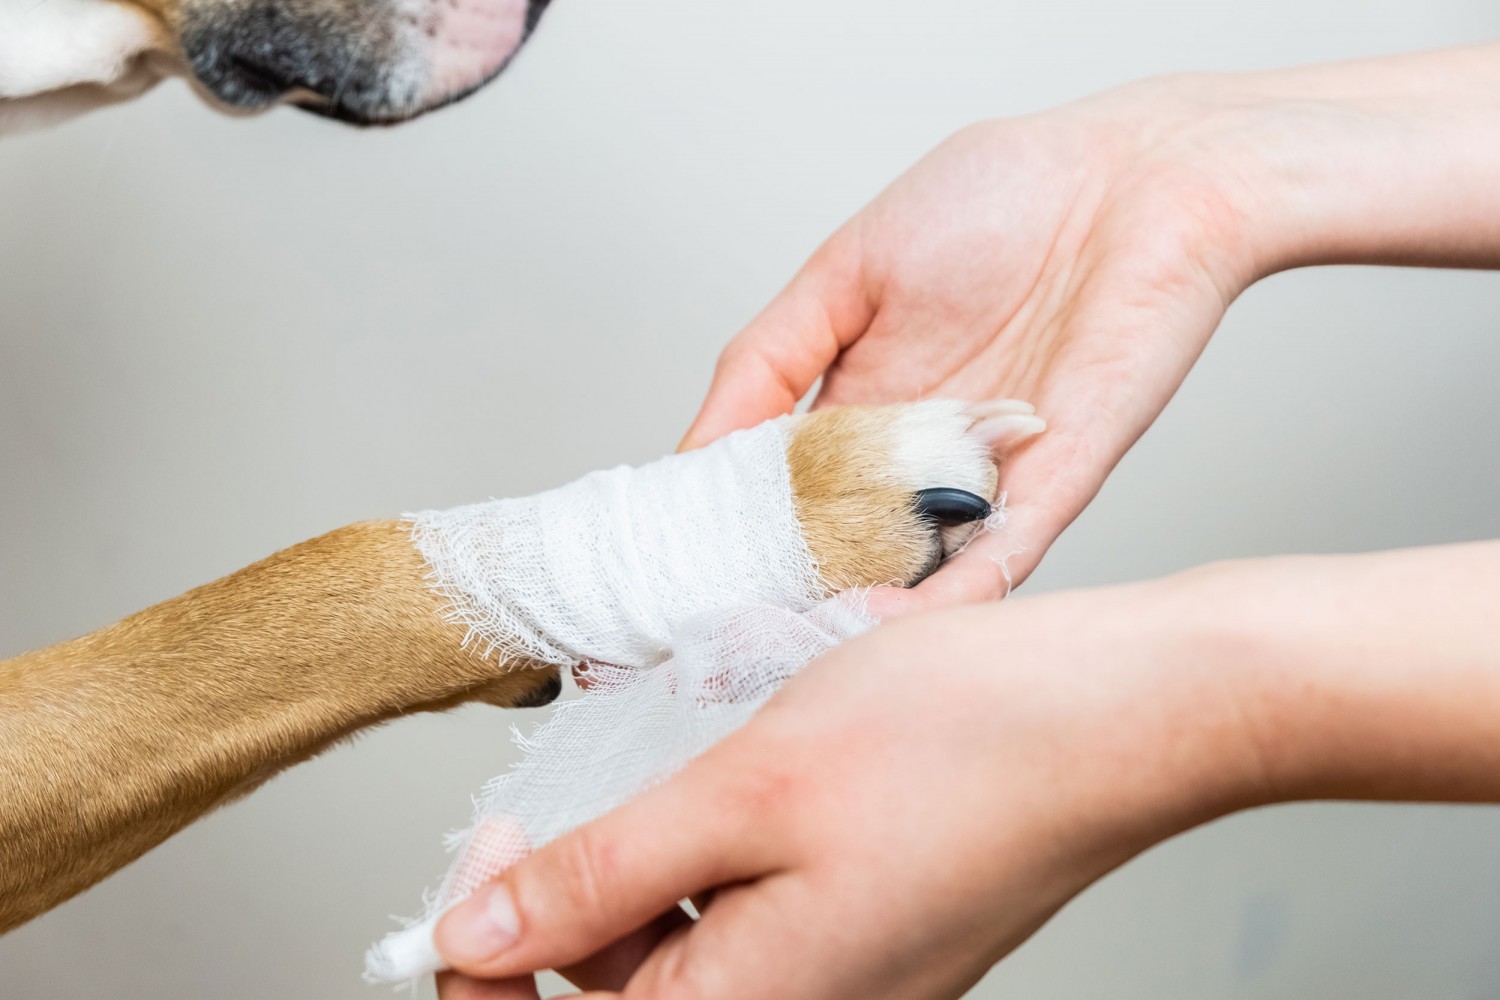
[{"x": 471, "y": 39}]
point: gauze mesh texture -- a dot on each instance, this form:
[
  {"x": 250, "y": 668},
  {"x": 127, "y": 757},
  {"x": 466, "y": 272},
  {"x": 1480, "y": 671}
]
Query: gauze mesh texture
[
  {"x": 605, "y": 568},
  {"x": 687, "y": 588}
]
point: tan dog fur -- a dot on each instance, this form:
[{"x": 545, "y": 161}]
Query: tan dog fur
[
  {"x": 111, "y": 743},
  {"x": 854, "y": 502}
]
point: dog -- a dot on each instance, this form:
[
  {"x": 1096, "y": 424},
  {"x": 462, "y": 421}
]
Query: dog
[
  {"x": 111, "y": 743},
  {"x": 366, "y": 62}
]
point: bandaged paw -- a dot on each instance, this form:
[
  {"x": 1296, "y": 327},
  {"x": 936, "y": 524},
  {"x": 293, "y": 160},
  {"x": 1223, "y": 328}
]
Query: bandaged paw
[{"x": 693, "y": 588}]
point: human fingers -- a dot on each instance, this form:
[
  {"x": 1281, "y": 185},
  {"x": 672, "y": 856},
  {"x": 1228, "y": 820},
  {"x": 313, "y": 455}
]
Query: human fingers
[
  {"x": 574, "y": 897},
  {"x": 772, "y": 363},
  {"x": 1055, "y": 477},
  {"x": 611, "y": 968},
  {"x": 456, "y": 986}
]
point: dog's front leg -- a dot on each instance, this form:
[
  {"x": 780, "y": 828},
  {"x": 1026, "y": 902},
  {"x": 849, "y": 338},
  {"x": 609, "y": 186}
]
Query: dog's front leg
[{"x": 111, "y": 743}]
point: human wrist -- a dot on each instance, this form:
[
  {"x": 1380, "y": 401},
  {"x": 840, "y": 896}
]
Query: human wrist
[
  {"x": 1268, "y": 630},
  {"x": 1363, "y": 677},
  {"x": 1382, "y": 161},
  {"x": 1213, "y": 760},
  {"x": 1142, "y": 700}
]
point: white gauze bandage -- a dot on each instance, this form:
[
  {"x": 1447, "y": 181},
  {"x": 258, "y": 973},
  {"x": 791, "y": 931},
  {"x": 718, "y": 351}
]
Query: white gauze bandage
[{"x": 686, "y": 585}]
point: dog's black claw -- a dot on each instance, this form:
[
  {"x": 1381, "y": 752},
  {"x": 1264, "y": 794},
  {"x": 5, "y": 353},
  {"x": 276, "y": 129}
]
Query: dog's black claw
[{"x": 946, "y": 507}]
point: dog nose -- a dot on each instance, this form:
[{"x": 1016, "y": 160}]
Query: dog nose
[
  {"x": 256, "y": 77},
  {"x": 250, "y": 80},
  {"x": 269, "y": 61},
  {"x": 361, "y": 61}
]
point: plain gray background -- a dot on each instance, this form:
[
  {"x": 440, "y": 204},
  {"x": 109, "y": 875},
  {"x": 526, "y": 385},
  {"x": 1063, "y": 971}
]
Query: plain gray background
[{"x": 221, "y": 336}]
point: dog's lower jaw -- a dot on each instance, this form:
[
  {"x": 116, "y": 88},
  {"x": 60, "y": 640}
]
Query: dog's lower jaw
[{"x": 111, "y": 743}]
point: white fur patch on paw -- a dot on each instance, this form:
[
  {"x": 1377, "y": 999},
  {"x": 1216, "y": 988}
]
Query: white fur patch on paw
[
  {"x": 933, "y": 448},
  {"x": 944, "y": 442}
]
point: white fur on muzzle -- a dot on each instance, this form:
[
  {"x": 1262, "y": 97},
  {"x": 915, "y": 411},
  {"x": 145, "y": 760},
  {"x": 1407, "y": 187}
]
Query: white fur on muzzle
[{"x": 60, "y": 58}]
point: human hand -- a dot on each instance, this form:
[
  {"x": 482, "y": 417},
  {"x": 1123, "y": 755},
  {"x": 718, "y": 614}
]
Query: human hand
[
  {"x": 857, "y": 853},
  {"x": 1081, "y": 259},
  {"x": 897, "y": 836}
]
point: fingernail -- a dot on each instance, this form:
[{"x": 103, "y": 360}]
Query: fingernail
[{"x": 482, "y": 932}]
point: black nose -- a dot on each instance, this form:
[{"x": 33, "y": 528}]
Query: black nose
[
  {"x": 947, "y": 507},
  {"x": 255, "y": 73},
  {"x": 258, "y": 78},
  {"x": 243, "y": 80},
  {"x": 252, "y": 55}
]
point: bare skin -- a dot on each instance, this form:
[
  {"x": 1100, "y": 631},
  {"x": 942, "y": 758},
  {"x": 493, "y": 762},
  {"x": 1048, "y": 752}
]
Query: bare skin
[
  {"x": 1081, "y": 258},
  {"x": 1076, "y": 729}
]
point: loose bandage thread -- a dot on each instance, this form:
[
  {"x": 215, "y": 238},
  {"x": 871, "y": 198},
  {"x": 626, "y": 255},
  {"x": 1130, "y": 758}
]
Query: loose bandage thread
[{"x": 687, "y": 587}]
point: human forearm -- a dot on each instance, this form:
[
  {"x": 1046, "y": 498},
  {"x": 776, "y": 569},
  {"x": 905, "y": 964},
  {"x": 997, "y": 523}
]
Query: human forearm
[
  {"x": 1237, "y": 685},
  {"x": 1366, "y": 677},
  {"x": 1382, "y": 161},
  {"x": 1408, "y": 172}
]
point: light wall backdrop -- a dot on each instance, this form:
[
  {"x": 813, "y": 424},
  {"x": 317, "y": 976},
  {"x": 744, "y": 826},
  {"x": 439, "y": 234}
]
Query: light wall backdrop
[{"x": 221, "y": 336}]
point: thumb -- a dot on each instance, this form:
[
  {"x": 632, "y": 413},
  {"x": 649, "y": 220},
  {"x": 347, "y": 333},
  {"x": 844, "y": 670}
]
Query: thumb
[
  {"x": 1051, "y": 479},
  {"x": 601, "y": 882},
  {"x": 987, "y": 569},
  {"x": 771, "y": 364}
]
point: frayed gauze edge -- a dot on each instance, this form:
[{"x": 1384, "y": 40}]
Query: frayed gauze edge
[{"x": 687, "y": 587}]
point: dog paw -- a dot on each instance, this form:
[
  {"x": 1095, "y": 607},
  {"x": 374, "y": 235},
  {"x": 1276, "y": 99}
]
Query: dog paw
[{"x": 885, "y": 493}]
